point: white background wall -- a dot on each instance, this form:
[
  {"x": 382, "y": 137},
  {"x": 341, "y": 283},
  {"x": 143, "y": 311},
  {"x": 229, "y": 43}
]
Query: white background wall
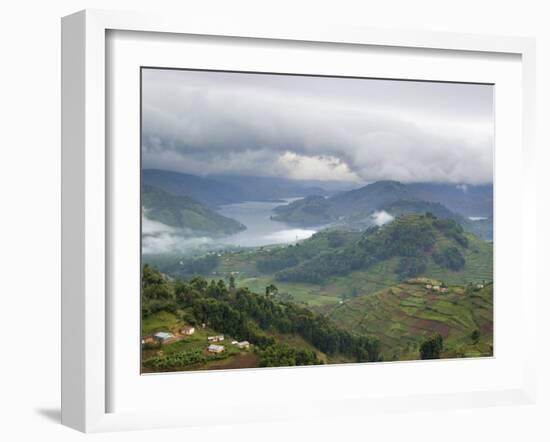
[{"x": 30, "y": 219}]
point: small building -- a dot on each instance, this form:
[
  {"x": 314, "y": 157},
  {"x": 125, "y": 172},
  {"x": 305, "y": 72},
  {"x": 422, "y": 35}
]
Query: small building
[
  {"x": 243, "y": 345},
  {"x": 479, "y": 286},
  {"x": 428, "y": 286},
  {"x": 187, "y": 330},
  {"x": 163, "y": 337},
  {"x": 218, "y": 338},
  {"x": 234, "y": 342},
  {"x": 444, "y": 289},
  {"x": 436, "y": 288},
  {"x": 213, "y": 348}
]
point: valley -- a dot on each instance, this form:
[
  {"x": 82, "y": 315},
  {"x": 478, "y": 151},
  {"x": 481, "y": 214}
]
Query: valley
[{"x": 368, "y": 274}]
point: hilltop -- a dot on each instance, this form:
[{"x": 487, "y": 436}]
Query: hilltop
[
  {"x": 185, "y": 213},
  {"x": 417, "y": 243}
]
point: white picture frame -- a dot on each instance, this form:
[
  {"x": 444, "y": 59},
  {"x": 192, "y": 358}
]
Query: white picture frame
[{"x": 86, "y": 203}]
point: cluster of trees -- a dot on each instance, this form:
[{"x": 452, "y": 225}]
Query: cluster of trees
[
  {"x": 156, "y": 292},
  {"x": 451, "y": 229},
  {"x": 407, "y": 236},
  {"x": 293, "y": 255},
  {"x": 316, "y": 270},
  {"x": 277, "y": 261},
  {"x": 450, "y": 258},
  {"x": 252, "y": 317},
  {"x": 198, "y": 266},
  {"x": 176, "y": 360},
  {"x": 431, "y": 348},
  {"x": 411, "y": 266},
  {"x": 285, "y": 356}
]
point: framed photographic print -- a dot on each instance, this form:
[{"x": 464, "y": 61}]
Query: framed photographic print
[
  {"x": 307, "y": 220},
  {"x": 251, "y": 213}
]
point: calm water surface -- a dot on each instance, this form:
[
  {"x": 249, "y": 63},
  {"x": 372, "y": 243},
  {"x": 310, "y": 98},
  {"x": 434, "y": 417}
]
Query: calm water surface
[{"x": 260, "y": 228}]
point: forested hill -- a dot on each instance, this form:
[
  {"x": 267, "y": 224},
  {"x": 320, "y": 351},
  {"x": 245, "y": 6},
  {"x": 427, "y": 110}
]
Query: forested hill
[
  {"x": 356, "y": 207},
  {"x": 259, "y": 319},
  {"x": 184, "y": 212},
  {"x": 411, "y": 245}
]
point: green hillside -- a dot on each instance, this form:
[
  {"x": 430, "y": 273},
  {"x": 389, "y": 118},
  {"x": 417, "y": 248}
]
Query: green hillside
[
  {"x": 339, "y": 296},
  {"x": 320, "y": 273},
  {"x": 279, "y": 333},
  {"x": 315, "y": 210},
  {"x": 309, "y": 211},
  {"x": 415, "y": 244},
  {"x": 403, "y": 316},
  {"x": 185, "y": 213}
]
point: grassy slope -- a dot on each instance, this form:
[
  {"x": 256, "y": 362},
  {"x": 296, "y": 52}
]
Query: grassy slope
[
  {"x": 417, "y": 312},
  {"x": 479, "y": 267},
  {"x": 184, "y": 212}
]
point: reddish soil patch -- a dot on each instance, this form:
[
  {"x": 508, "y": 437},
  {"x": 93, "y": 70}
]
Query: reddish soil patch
[
  {"x": 246, "y": 360},
  {"x": 432, "y": 326}
]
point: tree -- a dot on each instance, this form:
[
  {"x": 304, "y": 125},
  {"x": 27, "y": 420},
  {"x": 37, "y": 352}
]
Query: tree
[
  {"x": 431, "y": 347},
  {"x": 271, "y": 290},
  {"x": 475, "y": 336},
  {"x": 231, "y": 283}
]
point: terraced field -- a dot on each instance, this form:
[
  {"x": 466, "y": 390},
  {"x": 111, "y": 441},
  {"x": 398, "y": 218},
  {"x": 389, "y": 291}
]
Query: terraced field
[{"x": 405, "y": 314}]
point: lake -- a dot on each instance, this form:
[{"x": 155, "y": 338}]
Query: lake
[{"x": 261, "y": 230}]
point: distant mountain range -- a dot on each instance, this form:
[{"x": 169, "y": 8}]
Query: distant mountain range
[
  {"x": 327, "y": 202},
  {"x": 185, "y": 213},
  {"x": 356, "y": 207},
  {"x": 226, "y": 189}
]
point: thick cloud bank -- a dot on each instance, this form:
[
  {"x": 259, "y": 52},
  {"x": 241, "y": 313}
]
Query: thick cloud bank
[{"x": 317, "y": 128}]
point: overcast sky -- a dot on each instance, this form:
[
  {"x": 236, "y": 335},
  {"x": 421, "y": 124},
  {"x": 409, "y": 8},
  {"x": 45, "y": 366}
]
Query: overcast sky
[{"x": 317, "y": 127}]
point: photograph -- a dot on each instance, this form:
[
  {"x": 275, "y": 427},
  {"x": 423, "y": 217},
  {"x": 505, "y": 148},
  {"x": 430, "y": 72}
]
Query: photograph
[{"x": 304, "y": 220}]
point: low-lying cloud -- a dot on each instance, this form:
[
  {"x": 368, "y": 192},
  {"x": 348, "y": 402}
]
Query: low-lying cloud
[
  {"x": 381, "y": 217},
  {"x": 303, "y": 128}
]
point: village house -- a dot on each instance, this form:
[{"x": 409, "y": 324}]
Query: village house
[
  {"x": 479, "y": 286},
  {"x": 217, "y": 338},
  {"x": 163, "y": 337},
  {"x": 187, "y": 330},
  {"x": 243, "y": 345},
  {"x": 234, "y": 342},
  {"x": 213, "y": 348},
  {"x": 436, "y": 288},
  {"x": 428, "y": 286},
  {"x": 444, "y": 289}
]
